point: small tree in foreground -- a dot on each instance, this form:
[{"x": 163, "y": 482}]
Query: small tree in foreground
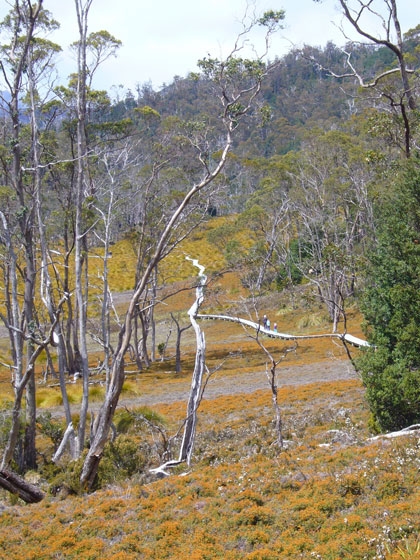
[{"x": 391, "y": 306}]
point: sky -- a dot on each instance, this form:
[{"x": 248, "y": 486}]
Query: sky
[{"x": 165, "y": 38}]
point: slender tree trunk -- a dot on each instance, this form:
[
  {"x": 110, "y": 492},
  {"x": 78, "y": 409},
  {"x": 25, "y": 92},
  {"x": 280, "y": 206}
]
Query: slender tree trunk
[
  {"x": 30, "y": 425},
  {"x": 136, "y": 342},
  {"x": 14, "y": 320},
  {"x": 152, "y": 315},
  {"x": 274, "y": 397},
  {"x": 26, "y": 222},
  {"x": 80, "y": 234},
  {"x": 179, "y": 332},
  {"x": 188, "y": 439},
  {"x": 15, "y": 426},
  {"x": 106, "y": 332},
  {"x": 143, "y": 342}
]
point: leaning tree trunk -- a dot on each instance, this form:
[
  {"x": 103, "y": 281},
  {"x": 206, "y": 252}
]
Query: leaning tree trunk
[{"x": 106, "y": 413}]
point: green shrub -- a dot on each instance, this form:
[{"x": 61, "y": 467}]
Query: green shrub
[
  {"x": 121, "y": 459},
  {"x": 51, "y": 428},
  {"x": 391, "y": 306},
  {"x": 67, "y": 481}
]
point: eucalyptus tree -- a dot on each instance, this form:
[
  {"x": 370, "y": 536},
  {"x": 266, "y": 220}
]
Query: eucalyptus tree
[
  {"x": 333, "y": 214},
  {"x": 40, "y": 72},
  {"x": 24, "y": 59},
  {"x": 268, "y": 216},
  {"x": 63, "y": 177},
  {"x": 237, "y": 82},
  {"x": 100, "y": 45}
]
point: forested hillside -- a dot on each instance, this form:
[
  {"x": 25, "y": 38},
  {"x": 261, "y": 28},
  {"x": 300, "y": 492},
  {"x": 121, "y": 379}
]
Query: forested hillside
[
  {"x": 299, "y": 94},
  {"x": 293, "y": 185}
]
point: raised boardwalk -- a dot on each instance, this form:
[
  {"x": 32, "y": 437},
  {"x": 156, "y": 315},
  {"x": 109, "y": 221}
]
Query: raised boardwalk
[{"x": 353, "y": 340}]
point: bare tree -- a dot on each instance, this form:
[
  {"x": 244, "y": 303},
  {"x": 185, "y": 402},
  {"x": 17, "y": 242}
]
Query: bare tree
[
  {"x": 271, "y": 363},
  {"x": 400, "y": 100},
  {"x": 333, "y": 215},
  {"x": 271, "y": 372},
  {"x": 103, "y": 45}
]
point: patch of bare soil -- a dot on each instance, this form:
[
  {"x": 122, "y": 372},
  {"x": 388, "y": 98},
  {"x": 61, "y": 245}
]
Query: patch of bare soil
[{"x": 243, "y": 383}]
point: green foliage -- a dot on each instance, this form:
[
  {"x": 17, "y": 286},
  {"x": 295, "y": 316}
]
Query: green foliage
[
  {"x": 234, "y": 252},
  {"x": 51, "y": 428},
  {"x": 101, "y": 41},
  {"x": 271, "y": 17},
  {"x": 393, "y": 390},
  {"x": 5, "y": 427},
  {"x": 6, "y": 194},
  {"x": 116, "y": 128},
  {"x": 5, "y": 422},
  {"x": 291, "y": 271},
  {"x": 121, "y": 459},
  {"x": 67, "y": 481},
  {"x": 126, "y": 420},
  {"x": 147, "y": 112},
  {"x": 391, "y": 306}
]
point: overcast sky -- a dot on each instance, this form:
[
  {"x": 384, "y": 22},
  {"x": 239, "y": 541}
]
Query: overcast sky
[{"x": 164, "y": 38}]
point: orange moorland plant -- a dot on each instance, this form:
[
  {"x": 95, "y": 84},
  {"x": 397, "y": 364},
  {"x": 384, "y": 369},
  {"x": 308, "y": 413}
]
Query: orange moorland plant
[{"x": 331, "y": 494}]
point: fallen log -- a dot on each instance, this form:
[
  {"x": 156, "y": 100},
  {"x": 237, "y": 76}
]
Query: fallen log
[
  {"x": 404, "y": 432},
  {"x": 19, "y": 486}
]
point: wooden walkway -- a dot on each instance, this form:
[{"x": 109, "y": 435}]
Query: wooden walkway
[{"x": 353, "y": 340}]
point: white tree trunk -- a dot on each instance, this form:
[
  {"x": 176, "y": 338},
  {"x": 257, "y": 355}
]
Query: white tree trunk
[{"x": 197, "y": 377}]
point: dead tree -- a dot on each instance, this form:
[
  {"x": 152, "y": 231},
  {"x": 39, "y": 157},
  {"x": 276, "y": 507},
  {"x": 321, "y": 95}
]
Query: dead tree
[
  {"x": 270, "y": 370},
  {"x": 271, "y": 373},
  {"x": 15, "y": 484},
  {"x": 401, "y": 100},
  {"x": 197, "y": 377}
]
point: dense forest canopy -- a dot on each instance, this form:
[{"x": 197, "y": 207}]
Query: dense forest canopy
[{"x": 312, "y": 151}]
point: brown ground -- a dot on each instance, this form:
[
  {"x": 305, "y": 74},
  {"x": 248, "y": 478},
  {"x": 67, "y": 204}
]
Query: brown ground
[
  {"x": 221, "y": 385},
  {"x": 231, "y": 384}
]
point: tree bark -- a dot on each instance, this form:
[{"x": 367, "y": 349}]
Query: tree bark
[
  {"x": 16, "y": 485},
  {"x": 82, "y": 10}
]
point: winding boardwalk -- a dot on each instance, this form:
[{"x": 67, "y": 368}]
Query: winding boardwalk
[{"x": 353, "y": 340}]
